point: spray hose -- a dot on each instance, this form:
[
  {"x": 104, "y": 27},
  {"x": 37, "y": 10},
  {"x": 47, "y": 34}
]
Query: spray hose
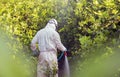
[{"x": 61, "y": 55}]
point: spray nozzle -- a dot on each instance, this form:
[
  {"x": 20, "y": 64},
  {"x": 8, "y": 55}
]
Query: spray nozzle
[{"x": 65, "y": 53}]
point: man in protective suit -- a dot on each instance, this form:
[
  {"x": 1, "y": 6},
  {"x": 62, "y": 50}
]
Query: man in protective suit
[{"x": 48, "y": 41}]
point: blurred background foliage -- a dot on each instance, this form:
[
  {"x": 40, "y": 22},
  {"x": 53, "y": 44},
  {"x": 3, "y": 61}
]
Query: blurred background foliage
[
  {"x": 85, "y": 26},
  {"x": 14, "y": 62}
]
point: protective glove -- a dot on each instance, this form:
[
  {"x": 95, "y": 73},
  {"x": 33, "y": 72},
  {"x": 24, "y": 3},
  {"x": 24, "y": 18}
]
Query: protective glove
[{"x": 65, "y": 53}]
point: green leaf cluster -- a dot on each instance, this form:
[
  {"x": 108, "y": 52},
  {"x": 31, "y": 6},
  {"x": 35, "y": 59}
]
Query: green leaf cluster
[{"x": 82, "y": 23}]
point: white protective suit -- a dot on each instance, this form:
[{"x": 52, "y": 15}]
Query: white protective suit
[{"x": 48, "y": 42}]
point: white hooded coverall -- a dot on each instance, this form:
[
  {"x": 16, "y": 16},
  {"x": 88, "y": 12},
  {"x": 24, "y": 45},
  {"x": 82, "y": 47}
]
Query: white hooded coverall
[{"x": 48, "y": 41}]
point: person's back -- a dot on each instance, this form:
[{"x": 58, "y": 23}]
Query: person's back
[{"x": 46, "y": 39}]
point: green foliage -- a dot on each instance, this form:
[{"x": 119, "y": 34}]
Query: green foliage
[
  {"x": 13, "y": 62},
  {"x": 103, "y": 63},
  {"x": 83, "y": 24},
  {"x": 24, "y": 18},
  {"x": 85, "y": 42},
  {"x": 94, "y": 19}
]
